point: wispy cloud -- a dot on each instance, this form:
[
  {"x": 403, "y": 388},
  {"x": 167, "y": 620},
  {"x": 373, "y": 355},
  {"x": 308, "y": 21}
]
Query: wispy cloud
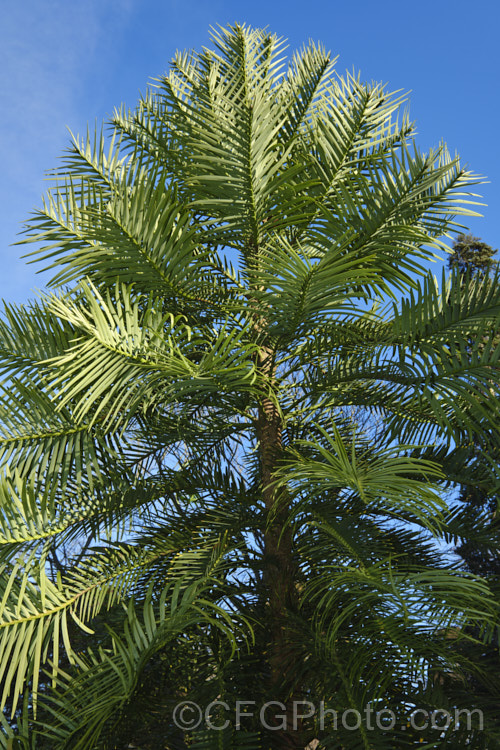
[
  {"x": 48, "y": 51},
  {"x": 43, "y": 51}
]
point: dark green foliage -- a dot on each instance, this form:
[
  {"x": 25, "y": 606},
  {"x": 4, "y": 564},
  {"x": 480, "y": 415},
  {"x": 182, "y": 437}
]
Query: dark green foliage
[
  {"x": 475, "y": 258},
  {"x": 472, "y": 255}
]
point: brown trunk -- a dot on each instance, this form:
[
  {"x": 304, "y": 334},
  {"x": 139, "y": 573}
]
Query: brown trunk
[{"x": 279, "y": 570}]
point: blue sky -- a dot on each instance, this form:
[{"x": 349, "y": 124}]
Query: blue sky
[{"x": 65, "y": 64}]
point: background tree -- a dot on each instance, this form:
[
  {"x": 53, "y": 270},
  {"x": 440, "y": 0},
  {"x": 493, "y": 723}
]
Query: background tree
[
  {"x": 236, "y": 268},
  {"x": 471, "y": 255},
  {"x": 479, "y": 492},
  {"x": 475, "y": 258}
]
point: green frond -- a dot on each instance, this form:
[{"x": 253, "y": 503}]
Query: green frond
[
  {"x": 31, "y": 515},
  {"x": 307, "y": 80},
  {"x": 130, "y": 356},
  {"x": 30, "y": 334},
  {"x": 458, "y": 309},
  {"x": 35, "y": 611},
  {"x": 49, "y": 446},
  {"x": 136, "y": 232},
  {"x": 406, "y": 485},
  {"x": 309, "y": 292},
  {"x": 79, "y": 715}
]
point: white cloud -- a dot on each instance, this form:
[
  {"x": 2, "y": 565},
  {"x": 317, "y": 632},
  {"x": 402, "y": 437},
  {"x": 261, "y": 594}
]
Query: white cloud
[{"x": 49, "y": 52}]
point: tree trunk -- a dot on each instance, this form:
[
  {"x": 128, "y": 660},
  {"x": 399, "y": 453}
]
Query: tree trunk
[{"x": 279, "y": 575}]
